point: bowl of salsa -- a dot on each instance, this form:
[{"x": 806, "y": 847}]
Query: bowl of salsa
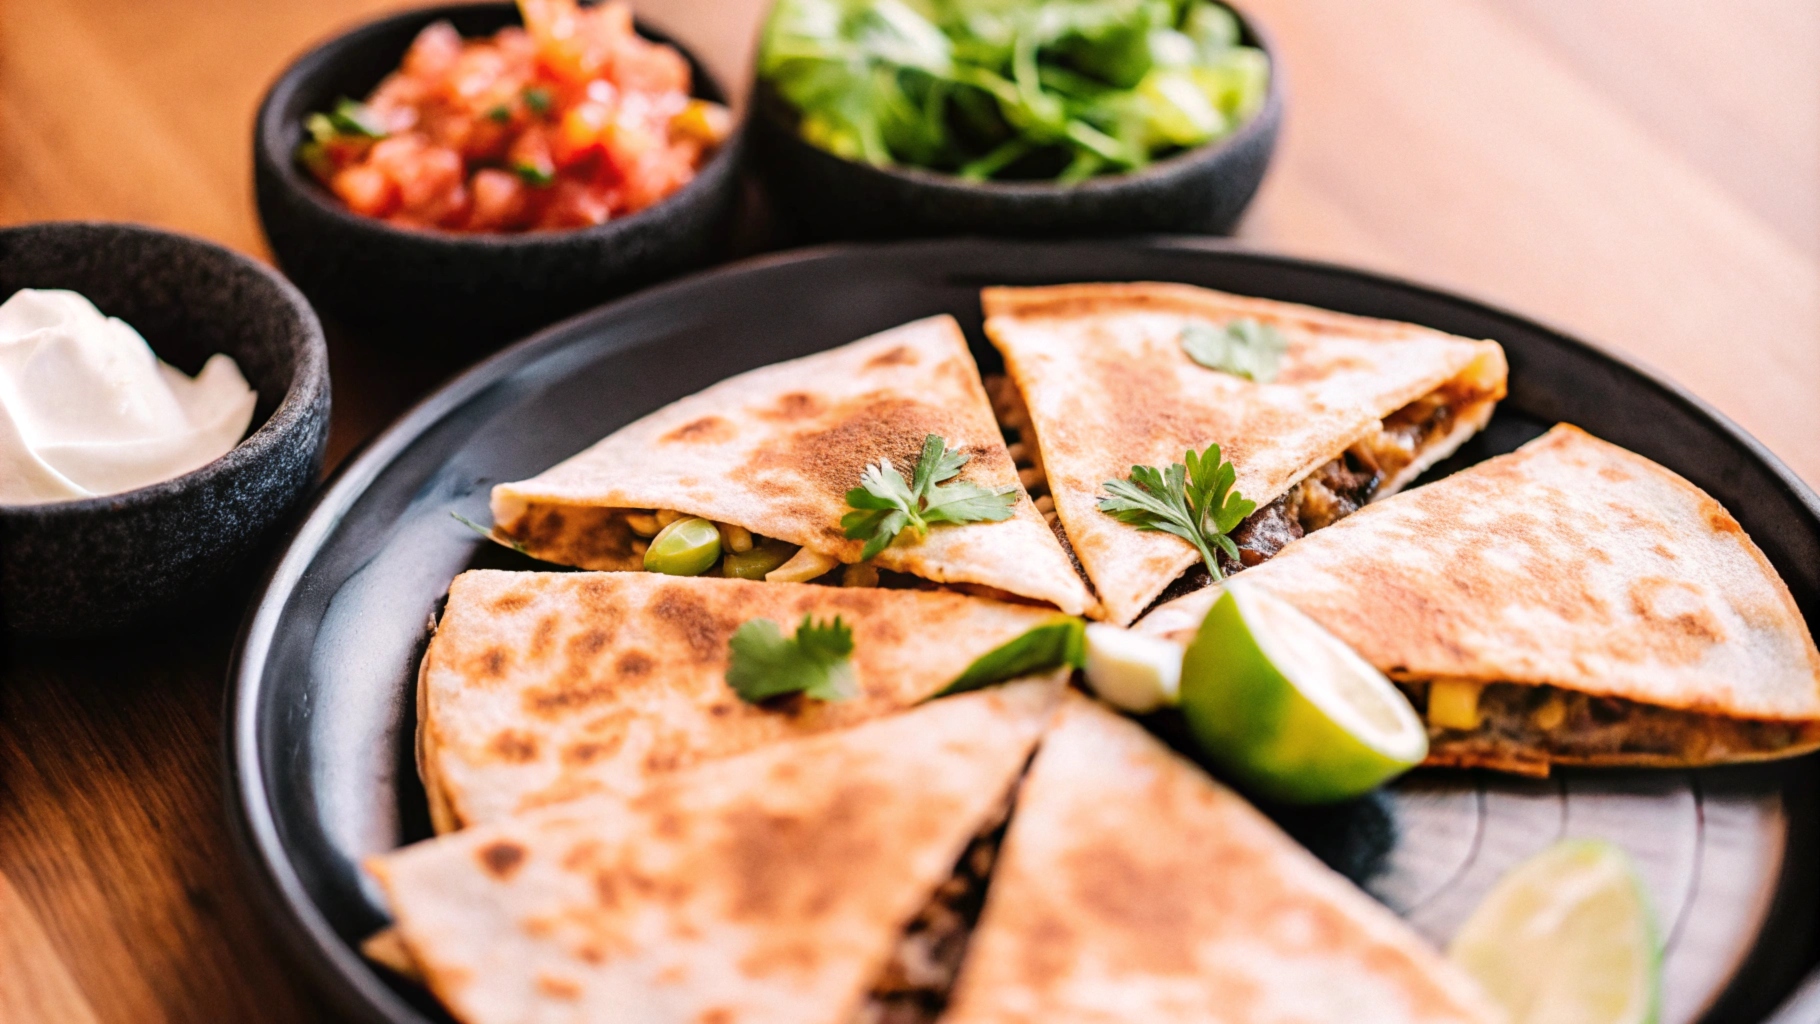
[{"x": 479, "y": 170}]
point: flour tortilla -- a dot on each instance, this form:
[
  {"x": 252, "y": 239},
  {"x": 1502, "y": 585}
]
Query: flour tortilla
[
  {"x": 540, "y": 687},
  {"x": 769, "y": 887},
  {"x": 775, "y": 450},
  {"x": 1132, "y": 887},
  {"x": 1569, "y": 563},
  {"x": 1108, "y": 385}
]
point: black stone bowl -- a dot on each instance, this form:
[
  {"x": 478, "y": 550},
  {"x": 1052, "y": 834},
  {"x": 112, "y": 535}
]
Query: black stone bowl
[
  {"x": 431, "y": 285},
  {"x": 1200, "y": 191},
  {"x": 98, "y": 564}
]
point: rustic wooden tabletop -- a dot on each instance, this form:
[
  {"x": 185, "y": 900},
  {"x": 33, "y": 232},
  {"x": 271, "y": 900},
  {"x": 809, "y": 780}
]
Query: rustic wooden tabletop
[{"x": 1644, "y": 175}]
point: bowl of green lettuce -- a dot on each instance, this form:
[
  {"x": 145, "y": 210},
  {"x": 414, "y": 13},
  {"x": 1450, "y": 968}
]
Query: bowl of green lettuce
[{"x": 889, "y": 118}]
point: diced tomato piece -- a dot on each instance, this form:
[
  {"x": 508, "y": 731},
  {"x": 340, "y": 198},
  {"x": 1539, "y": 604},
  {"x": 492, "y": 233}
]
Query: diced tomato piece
[
  {"x": 366, "y": 190},
  {"x": 499, "y": 201},
  {"x": 581, "y": 133},
  {"x": 433, "y": 53}
]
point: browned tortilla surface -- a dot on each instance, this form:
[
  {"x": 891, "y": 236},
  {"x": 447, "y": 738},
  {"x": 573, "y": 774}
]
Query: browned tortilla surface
[
  {"x": 769, "y": 887},
  {"x": 776, "y": 449},
  {"x": 1570, "y": 563},
  {"x": 1109, "y": 386},
  {"x": 1132, "y": 887},
  {"x": 539, "y": 687}
]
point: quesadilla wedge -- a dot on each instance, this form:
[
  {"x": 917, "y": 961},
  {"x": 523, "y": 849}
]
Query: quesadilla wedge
[
  {"x": 1349, "y": 410},
  {"x": 1132, "y": 887},
  {"x": 771, "y": 887},
  {"x": 539, "y": 687},
  {"x": 1569, "y": 603},
  {"x": 773, "y": 452}
]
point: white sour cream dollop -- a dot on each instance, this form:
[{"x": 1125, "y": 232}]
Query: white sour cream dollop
[{"x": 86, "y": 408}]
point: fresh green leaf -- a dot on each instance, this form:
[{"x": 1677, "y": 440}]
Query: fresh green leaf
[
  {"x": 1062, "y": 642},
  {"x": 492, "y": 535},
  {"x": 884, "y": 504},
  {"x": 1010, "y": 88},
  {"x": 1192, "y": 500},
  {"x": 1243, "y": 347},
  {"x": 537, "y": 100},
  {"x": 351, "y": 118},
  {"x": 500, "y": 113},
  {"x": 816, "y": 662}
]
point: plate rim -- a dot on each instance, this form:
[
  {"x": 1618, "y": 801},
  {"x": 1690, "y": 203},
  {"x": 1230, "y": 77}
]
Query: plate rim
[{"x": 285, "y": 906}]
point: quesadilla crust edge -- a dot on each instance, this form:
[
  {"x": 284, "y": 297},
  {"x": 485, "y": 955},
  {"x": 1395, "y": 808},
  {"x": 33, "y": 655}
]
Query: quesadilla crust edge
[
  {"x": 777, "y": 880},
  {"x": 775, "y": 450},
  {"x": 540, "y": 687},
  {"x": 1131, "y": 886},
  {"x": 1132, "y": 398}
]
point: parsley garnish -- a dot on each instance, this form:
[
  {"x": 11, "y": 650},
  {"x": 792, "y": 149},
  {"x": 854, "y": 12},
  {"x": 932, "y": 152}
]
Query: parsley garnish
[
  {"x": 500, "y": 113},
  {"x": 1195, "y": 502},
  {"x": 1244, "y": 347},
  {"x": 885, "y": 505},
  {"x": 815, "y": 662},
  {"x": 537, "y": 100}
]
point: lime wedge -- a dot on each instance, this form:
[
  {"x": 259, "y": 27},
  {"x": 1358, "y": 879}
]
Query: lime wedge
[
  {"x": 1287, "y": 709},
  {"x": 1131, "y": 671},
  {"x": 1566, "y": 938}
]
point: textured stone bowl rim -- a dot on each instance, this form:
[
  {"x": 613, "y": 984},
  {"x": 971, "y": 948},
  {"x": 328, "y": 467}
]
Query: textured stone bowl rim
[
  {"x": 764, "y": 103},
  {"x": 269, "y": 127},
  {"x": 308, "y": 379}
]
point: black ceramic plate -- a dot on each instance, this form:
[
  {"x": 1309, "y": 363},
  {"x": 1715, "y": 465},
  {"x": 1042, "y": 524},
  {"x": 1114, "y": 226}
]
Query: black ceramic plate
[{"x": 320, "y": 763}]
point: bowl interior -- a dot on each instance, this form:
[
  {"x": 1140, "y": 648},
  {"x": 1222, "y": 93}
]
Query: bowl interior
[
  {"x": 190, "y": 299},
  {"x": 785, "y": 118},
  {"x": 351, "y": 65}
]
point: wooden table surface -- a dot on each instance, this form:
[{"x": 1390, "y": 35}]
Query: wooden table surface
[{"x": 1646, "y": 175}]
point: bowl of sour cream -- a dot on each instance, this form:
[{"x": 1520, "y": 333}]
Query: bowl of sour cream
[{"x": 163, "y": 408}]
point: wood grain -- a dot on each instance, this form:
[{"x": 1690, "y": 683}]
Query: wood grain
[{"x": 1644, "y": 174}]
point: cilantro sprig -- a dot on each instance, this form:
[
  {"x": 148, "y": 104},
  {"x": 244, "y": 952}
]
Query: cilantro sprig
[
  {"x": 1243, "y": 347},
  {"x": 884, "y": 505},
  {"x": 816, "y": 662},
  {"x": 1195, "y": 502}
]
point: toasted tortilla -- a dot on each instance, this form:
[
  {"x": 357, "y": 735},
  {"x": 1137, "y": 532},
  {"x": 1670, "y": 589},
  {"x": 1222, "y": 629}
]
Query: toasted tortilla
[
  {"x": 540, "y": 687},
  {"x": 1108, "y": 386},
  {"x": 769, "y": 887},
  {"x": 1574, "y": 565},
  {"x": 775, "y": 450},
  {"x": 1132, "y": 887}
]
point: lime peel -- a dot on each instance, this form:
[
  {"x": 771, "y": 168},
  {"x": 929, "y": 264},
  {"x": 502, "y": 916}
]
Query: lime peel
[
  {"x": 1289, "y": 710},
  {"x": 1567, "y": 937}
]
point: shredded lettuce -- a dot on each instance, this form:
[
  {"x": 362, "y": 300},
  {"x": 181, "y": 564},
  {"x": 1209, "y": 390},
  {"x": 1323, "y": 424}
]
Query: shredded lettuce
[{"x": 1012, "y": 88}]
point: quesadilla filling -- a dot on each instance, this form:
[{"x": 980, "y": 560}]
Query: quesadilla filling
[
  {"x": 915, "y": 984},
  {"x": 1523, "y": 728}
]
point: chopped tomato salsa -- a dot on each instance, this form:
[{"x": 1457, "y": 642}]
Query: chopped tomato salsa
[{"x": 570, "y": 121}]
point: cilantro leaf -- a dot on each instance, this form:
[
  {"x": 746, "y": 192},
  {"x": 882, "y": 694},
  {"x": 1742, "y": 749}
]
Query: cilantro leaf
[
  {"x": 1194, "y": 501},
  {"x": 1244, "y": 347},
  {"x": 816, "y": 662},
  {"x": 1052, "y": 645},
  {"x": 884, "y": 504}
]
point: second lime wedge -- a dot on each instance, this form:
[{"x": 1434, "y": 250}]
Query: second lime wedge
[
  {"x": 1566, "y": 938},
  {"x": 1287, "y": 709}
]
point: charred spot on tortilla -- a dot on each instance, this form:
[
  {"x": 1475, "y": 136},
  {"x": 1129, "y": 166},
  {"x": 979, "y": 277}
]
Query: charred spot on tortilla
[
  {"x": 514, "y": 746},
  {"x": 707, "y": 430},
  {"x": 687, "y": 618},
  {"x": 902, "y": 355},
  {"x": 795, "y": 405},
  {"x": 501, "y": 859}
]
